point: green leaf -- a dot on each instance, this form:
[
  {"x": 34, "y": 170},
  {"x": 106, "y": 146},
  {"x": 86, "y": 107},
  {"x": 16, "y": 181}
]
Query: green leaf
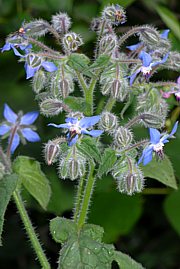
[
  {"x": 100, "y": 62},
  {"x": 83, "y": 248},
  {"x": 123, "y": 211},
  {"x": 126, "y": 262},
  {"x": 61, "y": 229},
  {"x": 33, "y": 179},
  {"x": 76, "y": 103},
  {"x": 79, "y": 62},
  {"x": 88, "y": 147},
  {"x": 169, "y": 19},
  {"x": 108, "y": 160},
  {"x": 7, "y": 186},
  {"x": 161, "y": 171},
  {"x": 171, "y": 207}
]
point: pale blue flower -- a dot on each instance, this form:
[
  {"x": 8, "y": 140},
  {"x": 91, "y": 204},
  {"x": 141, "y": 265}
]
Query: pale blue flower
[
  {"x": 18, "y": 126},
  {"x": 15, "y": 46},
  {"x": 77, "y": 127},
  {"x": 157, "y": 141}
]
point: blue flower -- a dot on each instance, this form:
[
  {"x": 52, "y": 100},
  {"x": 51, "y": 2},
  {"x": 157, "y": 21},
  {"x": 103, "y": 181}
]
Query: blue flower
[
  {"x": 147, "y": 66},
  {"x": 34, "y": 63},
  {"x": 77, "y": 127},
  {"x": 18, "y": 126},
  {"x": 14, "y": 45},
  {"x": 157, "y": 141}
]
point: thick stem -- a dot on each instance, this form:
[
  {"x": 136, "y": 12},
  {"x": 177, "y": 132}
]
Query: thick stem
[
  {"x": 79, "y": 198},
  {"x": 110, "y": 103},
  {"x": 86, "y": 196},
  {"x": 30, "y": 231}
]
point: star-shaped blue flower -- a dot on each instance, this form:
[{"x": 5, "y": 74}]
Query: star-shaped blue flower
[
  {"x": 147, "y": 66},
  {"x": 18, "y": 126},
  {"x": 157, "y": 141},
  {"x": 34, "y": 63},
  {"x": 14, "y": 46},
  {"x": 77, "y": 127}
]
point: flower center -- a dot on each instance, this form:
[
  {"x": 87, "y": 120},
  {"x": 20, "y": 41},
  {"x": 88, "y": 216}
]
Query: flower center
[
  {"x": 75, "y": 129},
  {"x": 158, "y": 147},
  {"x": 146, "y": 70}
]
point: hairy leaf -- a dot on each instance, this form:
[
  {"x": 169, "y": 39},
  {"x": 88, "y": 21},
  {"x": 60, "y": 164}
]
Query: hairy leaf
[
  {"x": 162, "y": 171},
  {"x": 76, "y": 103},
  {"x": 7, "y": 186},
  {"x": 108, "y": 160},
  {"x": 88, "y": 147},
  {"x": 126, "y": 262},
  {"x": 33, "y": 179},
  {"x": 79, "y": 62}
]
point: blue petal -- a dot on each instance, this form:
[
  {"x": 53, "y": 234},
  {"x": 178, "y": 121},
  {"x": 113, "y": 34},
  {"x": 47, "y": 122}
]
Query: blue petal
[
  {"x": 29, "y": 118},
  {"x": 4, "y": 129},
  {"x": 49, "y": 66},
  {"x": 30, "y": 135},
  {"x": 6, "y": 47},
  {"x": 133, "y": 76},
  {"x": 30, "y": 71},
  {"x": 148, "y": 157},
  {"x": 146, "y": 58},
  {"x": 162, "y": 61},
  {"x": 134, "y": 47},
  {"x": 88, "y": 121},
  {"x": 64, "y": 125},
  {"x": 15, "y": 143},
  {"x": 71, "y": 120},
  {"x": 9, "y": 114},
  {"x": 174, "y": 129},
  {"x": 155, "y": 135},
  {"x": 16, "y": 52},
  {"x": 94, "y": 133},
  {"x": 165, "y": 33},
  {"x": 73, "y": 141},
  {"x": 147, "y": 152}
]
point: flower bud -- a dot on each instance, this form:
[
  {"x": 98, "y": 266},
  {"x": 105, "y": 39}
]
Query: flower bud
[
  {"x": 123, "y": 137},
  {"x": 2, "y": 170},
  {"x": 128, "y": 175},
  {"x": 108, "y": 122},
  {"x": 64, "y": 85},
  {"x": 51, "y": 107},
  {"x": 173, "y": 61},
  {"x": 149, "y": 36},
  {"x": 61, "y": 22},
  {"x": 36, "y": 28},
  {"x": 52, "y": 150},
  {"x": 151, "y": 120},
  {"x": 108, "y": 44},
  {"x": 39, "y": 81},
  {"x": 17, "y": 40},
  {"x": 114, "y": 14},
  {"x": 71, "y": 42}
]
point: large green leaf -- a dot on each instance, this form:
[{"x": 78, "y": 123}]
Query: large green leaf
[
  {"x": 7, "y": 186},
  {"x": 76, "y": 103},
  {"x": 126, "y": 262},
  {"x": 170, "y": 20},
  {"x": 108, "y": 160},
  {"x": 115, "y": 212},
  {"x": 171, "y": 207},
  {"x": 88, "y": 147},
  {"x": 33, "y": 179},
  {"x": 83, "y": 248},
  {"x": 162, "y": 171}
]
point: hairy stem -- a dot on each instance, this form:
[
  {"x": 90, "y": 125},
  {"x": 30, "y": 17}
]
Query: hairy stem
[
  {"x": 30, "y": 231},
  {"x": 110, "y": 103},
  {"x": 42, "y": 46},
  {"x": 86, "y": 196},
  {"x": 79, "y": 198}
]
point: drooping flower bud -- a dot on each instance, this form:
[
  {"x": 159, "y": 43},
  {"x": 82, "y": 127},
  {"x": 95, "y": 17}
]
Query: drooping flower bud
[
  {"x": 108, "y": 122},
  {"x": 150, "y": 120},
  {"x": 52, "y": 150},
  {"x": 173, "y": 61},
  {"x": 114, "y": 14},
  {"x": 36, "y": 28},
  {"x": 123, "y": 137},
  {"x": 61, "y": 22},
  {"x": 51, "y": 107},
  {"x": 108, "y": 44},
  {"x": 150, "y": 36},
  {"x": 71, "y": 42},
  {"x": 39, "y": 81}
]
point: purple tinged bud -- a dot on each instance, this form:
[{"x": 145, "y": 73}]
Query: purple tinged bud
[{"x": 61, "y": 22}]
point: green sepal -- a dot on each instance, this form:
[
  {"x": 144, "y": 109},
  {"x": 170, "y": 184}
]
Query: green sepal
[
  {"x": 33, "y": 179},
  {"x": 108, "y": 160},
  {"x": 89, "y": 148},
  {"x": 7, "y": 185}
]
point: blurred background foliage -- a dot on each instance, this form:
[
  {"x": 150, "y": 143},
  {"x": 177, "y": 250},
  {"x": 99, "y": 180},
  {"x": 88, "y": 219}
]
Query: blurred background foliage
[{"x": 146, "y": 226}]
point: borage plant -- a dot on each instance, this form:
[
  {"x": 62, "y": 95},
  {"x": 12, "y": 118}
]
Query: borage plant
[{"x": 93, "y": 141}]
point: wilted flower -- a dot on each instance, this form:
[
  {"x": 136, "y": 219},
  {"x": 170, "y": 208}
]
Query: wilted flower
[
  {"x": 157, "y": 141},
  {"x": 147, "y": 66},
  {"x": 77, "y": 127},
  {"x": 18, "y": 126}
]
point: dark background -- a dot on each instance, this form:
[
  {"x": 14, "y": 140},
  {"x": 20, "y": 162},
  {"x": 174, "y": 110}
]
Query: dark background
[{"x": 146, "y": 226}]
